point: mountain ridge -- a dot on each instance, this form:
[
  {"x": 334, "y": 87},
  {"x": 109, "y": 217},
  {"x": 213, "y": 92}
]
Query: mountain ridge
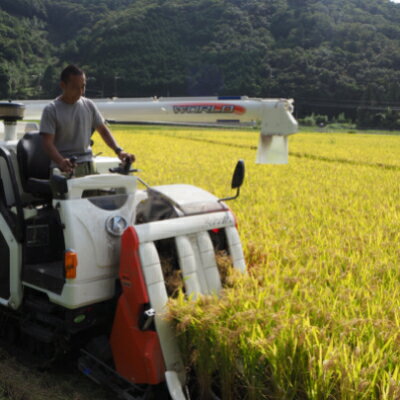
[{"x": 316, "y": 51}]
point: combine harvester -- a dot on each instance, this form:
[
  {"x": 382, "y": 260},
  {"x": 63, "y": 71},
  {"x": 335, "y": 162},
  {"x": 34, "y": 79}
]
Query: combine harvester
[
  {"x": 275, "y": 117},
  {"x": 82, "y": 257}
]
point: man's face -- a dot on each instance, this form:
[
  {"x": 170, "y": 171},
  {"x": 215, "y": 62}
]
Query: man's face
[{"x": 74, "y": 88}]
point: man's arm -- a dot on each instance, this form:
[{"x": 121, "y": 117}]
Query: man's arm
[
  {"x": 109, "y": 139},
  {"x": 51, "y": 150}
]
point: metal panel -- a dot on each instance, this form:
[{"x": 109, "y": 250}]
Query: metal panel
[
  {"x": 235, "y": 248},
  {"x": 158, "y": 300},
  {"x": 169, "y": 228},
  {"x": 208, "y": 262},
  {"x": 188, "y": 264}
]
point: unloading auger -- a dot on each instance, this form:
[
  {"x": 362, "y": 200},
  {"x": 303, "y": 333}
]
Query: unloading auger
[{"x": 274, "y": 117}]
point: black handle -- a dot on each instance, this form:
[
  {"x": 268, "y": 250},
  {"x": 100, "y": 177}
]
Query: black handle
[{"x": 123, "y": 169}]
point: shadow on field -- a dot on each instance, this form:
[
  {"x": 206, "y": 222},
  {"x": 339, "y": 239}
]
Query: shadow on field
[{"x": 63, "y": 382}]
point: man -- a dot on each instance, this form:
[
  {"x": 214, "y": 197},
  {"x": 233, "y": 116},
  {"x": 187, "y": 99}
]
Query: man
[{"x": 68, "y": 122}]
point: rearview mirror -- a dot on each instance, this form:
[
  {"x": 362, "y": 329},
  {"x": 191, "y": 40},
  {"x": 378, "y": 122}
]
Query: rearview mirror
[
  {"x": 237, "y": 180},
  {"x": 238, "y": 175}
]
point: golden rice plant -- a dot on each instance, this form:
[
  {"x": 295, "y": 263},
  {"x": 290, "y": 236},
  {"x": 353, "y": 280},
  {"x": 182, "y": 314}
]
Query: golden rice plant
[{"x": 318, "y": 314}]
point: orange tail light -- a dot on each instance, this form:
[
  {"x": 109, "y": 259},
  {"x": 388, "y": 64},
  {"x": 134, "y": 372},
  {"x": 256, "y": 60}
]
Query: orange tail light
[{"x": 70, "y": 264}]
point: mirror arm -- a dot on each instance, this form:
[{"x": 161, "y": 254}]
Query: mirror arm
[{"x": 231, "y": 198}]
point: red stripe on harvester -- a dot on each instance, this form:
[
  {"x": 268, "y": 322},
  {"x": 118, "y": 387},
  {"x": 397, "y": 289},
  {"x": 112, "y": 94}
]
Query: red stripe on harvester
[{"x": 137, "y": 354}]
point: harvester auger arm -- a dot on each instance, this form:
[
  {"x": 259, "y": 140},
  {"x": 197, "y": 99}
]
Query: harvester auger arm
[{"x": 274, "y": 117}]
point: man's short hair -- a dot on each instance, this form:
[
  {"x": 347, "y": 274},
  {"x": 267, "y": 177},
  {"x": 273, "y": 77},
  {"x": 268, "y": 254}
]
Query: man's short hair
[{"x": 70, "y": 70}]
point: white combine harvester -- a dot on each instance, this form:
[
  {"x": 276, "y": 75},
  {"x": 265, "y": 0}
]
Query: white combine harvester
[{"x": 82, "y": 257}]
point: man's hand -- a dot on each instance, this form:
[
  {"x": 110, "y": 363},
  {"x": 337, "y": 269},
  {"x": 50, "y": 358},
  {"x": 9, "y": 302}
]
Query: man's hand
[
  {"x": 125, "y": 157},
  {"x": 66, "y": 165}
]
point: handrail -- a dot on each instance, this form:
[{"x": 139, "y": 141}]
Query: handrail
[{"x": 17, "y": 227}]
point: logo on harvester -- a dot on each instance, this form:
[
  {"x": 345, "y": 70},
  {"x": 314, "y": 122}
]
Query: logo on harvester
[
  {"x": 116, "y": 225},
  {"x": 209, "y": 108},
  {"x": 219, "y": 222}
]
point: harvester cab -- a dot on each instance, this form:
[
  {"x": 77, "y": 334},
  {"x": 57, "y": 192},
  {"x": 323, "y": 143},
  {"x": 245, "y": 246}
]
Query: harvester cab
[{"x": 87, "y": 264}]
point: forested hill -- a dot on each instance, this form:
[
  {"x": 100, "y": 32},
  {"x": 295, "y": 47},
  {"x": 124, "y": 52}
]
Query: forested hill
[{"x": 334, "y": 54}]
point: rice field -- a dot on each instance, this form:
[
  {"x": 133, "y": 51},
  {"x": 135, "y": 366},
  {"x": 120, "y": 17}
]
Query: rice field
[{"x": 318, "y": 314}]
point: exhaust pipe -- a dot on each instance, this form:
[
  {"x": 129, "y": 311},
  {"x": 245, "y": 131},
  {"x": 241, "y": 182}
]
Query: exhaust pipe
[{"x": 10, "y": 113}]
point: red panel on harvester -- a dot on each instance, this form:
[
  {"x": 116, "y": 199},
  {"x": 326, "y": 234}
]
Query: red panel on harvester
[{"x": 137, "y": 354}]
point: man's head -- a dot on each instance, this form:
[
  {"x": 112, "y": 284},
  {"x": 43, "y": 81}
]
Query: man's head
[{"x": 73, "y": 83}]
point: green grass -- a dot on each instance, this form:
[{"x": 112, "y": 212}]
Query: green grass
[{"x": 345, "y": 128}]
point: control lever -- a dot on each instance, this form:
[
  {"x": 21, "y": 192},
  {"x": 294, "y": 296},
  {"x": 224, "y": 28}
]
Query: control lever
[
  {"x": 124, "y": 169},
  {"x": 73, "y": 159}
]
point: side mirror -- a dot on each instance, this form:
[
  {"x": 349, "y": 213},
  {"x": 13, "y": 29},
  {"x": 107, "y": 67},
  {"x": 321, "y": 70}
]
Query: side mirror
[
  {"x": 238, "y": 175},
  {"x": 237, "y": 180}
]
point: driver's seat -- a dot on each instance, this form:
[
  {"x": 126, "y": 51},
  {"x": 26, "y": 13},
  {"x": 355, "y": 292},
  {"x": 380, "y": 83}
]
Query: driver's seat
[{"x": 34, "y": 165}]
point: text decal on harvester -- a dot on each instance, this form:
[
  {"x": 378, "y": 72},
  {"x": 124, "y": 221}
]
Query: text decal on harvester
[{"x": 208, "y": 108}]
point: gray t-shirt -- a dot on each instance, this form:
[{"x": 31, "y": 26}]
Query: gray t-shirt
[{"x": 72, "y": 125}]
